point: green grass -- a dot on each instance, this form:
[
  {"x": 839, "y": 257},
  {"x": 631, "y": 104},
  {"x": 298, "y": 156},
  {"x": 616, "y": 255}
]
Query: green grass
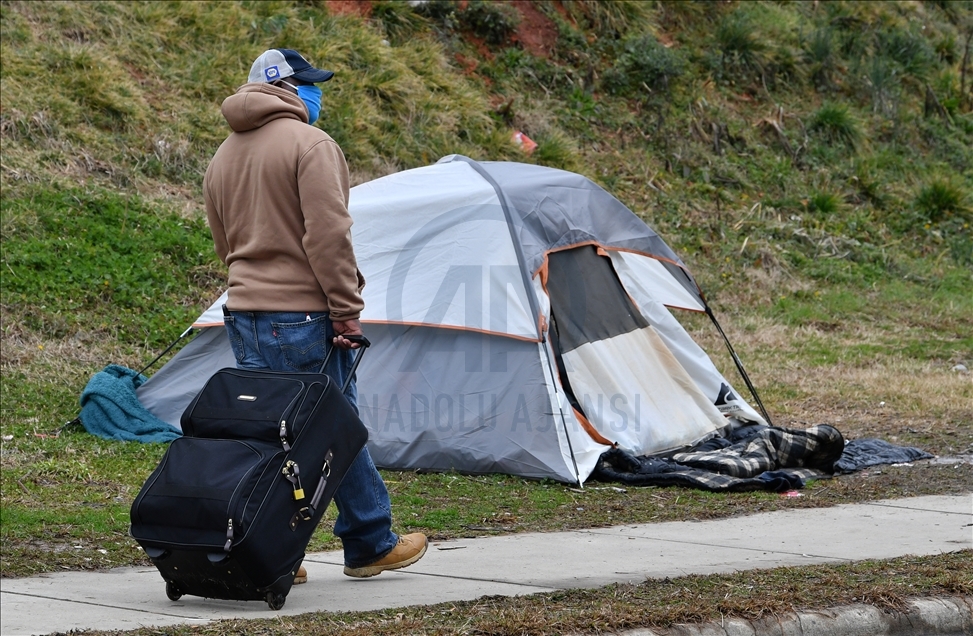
[{"x": 95, "y": 259}]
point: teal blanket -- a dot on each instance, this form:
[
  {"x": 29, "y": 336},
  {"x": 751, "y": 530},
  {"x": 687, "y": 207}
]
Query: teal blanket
[{"x": 110, "y": 408}]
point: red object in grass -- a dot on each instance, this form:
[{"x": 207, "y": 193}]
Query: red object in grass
[{"x": 526, "y": 143}]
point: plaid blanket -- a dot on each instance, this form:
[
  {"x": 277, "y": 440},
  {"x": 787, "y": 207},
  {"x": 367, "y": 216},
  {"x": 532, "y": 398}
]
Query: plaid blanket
[{"x": 752, "y": 458}]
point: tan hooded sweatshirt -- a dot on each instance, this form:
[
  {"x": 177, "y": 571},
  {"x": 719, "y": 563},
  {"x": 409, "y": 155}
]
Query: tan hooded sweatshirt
[{"x": 276, "y": 197}]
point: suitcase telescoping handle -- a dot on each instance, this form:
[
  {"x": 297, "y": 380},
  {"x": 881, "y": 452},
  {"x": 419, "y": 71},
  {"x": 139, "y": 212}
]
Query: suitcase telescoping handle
[
  {"x": 363, "y": 343},
  {"x": 306, "y": 513}
]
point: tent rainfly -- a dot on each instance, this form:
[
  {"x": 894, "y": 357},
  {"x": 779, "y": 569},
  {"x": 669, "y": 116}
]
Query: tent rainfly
[{"x": 521, "y": 323}]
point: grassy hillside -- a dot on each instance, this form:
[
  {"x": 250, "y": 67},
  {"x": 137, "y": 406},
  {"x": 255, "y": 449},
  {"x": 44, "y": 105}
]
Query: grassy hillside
[{"x": 811, "y": 162}]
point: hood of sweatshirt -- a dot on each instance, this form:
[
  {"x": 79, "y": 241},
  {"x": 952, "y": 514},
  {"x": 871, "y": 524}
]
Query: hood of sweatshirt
[{"x": 255, "y": 105}]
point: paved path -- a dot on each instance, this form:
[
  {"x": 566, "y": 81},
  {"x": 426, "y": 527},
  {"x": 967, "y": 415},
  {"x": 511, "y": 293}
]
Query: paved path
[{"x": 128, "y": 598}]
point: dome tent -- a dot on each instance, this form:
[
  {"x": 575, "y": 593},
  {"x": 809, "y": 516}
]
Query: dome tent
[{"x": 521, "y": 323}]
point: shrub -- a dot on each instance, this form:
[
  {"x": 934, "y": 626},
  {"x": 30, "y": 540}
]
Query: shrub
[
  {"x": 643, "y": 61},
  {"x": 440, "y": 12},
  {"x": 495, "y": 22}
]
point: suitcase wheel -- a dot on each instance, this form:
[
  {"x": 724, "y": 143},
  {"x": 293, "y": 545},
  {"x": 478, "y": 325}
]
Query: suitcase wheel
[
  {"x": 173, "y": 591},
  {"x": 275, "y": 601}
]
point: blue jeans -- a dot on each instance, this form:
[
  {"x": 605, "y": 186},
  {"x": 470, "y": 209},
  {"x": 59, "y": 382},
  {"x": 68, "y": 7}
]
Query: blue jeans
[{"x": 298, "y": 341}]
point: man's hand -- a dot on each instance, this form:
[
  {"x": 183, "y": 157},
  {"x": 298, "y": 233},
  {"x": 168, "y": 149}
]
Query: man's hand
[{"x": 346, "y": 328}]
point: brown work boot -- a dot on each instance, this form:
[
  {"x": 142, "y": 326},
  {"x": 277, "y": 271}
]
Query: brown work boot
[
  {"x": 409, "y": 549},
  {"x": 301, "y": 576}
]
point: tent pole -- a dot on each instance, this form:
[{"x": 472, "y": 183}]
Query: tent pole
[
  {"x": 528, "y": 288},
  {"x": 506, "y": 206},
  {"x": 739, "y": 365},
  {"x": 554, "y": 382},
  {"x": 168, "y": 349}
]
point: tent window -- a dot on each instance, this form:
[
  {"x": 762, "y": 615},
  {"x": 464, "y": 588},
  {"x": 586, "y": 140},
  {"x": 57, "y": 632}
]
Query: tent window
[{"x": 587, "y": 299}]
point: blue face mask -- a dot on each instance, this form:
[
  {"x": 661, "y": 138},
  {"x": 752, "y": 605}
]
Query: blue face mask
[{"x": 311, "y": 96}]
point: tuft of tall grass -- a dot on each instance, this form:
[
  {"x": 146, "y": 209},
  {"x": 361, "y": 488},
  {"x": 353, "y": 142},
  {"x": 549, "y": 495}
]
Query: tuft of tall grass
[
  {"x": 837, "y": 125},
  {"x": 556, "y": 150},
  {"x": 947, "y": 48},
  {"x": 612, "y": 19},
  {"x": 399, "y": 20},
  {"x": 825, "y": 203},
  {"x": 911, "y": 51},
  {"x": 822, "y": 55},
  {"x": 942, "y": 199},
  {"x": 740, "y": 46},
  {"x": 867, "y": 181}
]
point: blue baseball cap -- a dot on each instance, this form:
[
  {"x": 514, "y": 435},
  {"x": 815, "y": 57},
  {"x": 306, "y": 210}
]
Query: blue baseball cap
[{"x": 276, "y": 64}]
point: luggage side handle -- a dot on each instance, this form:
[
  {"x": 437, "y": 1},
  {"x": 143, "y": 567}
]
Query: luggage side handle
[{"x": 306, "y": 513}]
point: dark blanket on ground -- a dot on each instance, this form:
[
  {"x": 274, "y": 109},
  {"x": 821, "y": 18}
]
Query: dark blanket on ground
[
  {"x": 754, "y": 458},
  {"x": 862, "y": 453}
]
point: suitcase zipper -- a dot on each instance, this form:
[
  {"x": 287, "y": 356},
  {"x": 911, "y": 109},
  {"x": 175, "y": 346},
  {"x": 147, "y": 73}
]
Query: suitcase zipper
[
  {"x": 137, "y": 504},
  {"x": 282, "y": 431},
  {"x": 229, "y": 535},
  {"x": 292, "y": 473},
  {"x": 234, "y": 499},
  {"x": 295, "y": 409}
]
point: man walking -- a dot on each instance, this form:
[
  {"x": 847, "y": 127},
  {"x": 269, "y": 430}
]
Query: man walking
[{"x": 276, "y": 196}]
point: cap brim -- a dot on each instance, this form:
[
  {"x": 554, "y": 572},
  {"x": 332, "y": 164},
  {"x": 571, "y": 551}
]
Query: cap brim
[{"x": 314, "y": 75}]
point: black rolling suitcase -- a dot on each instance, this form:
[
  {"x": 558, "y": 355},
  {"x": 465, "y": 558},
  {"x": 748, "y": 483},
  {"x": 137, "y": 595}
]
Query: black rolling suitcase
[{"x": 231, "y": 507}]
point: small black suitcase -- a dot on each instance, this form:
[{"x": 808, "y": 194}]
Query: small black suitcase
[{"x": 225, "y": 514}]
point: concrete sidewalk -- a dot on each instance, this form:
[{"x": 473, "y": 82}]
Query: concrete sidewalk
[{"x": 464, "y": 569}]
